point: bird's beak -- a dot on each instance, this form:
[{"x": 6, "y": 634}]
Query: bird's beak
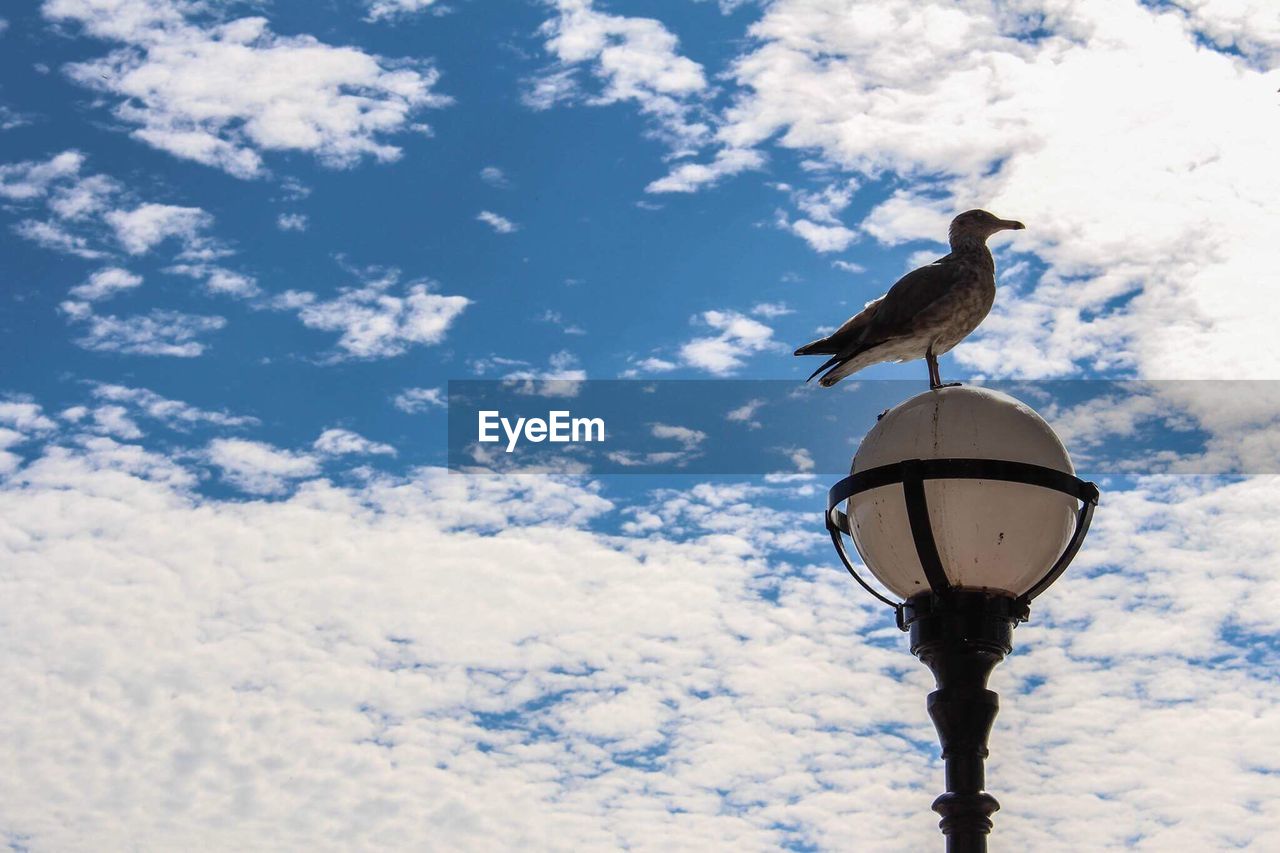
[{"x": 1011, "y": 225}]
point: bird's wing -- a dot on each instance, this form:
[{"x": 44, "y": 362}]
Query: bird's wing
[
  {"x": 846, "y": 336},
  {"x": 909, "y": 299}
]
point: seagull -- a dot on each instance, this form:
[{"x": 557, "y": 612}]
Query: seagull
[{"x": 926, "y": 313}]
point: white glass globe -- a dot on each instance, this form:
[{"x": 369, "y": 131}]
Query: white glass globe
[{"x": 991, "y": 535}]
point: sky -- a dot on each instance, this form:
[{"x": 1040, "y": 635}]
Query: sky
[{"x": 245, "y": 247}]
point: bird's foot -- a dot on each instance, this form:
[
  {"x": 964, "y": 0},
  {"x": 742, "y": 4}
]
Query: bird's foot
[{"x": 935, "y": 386}]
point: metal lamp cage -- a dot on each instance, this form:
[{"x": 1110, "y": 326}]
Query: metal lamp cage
[{"x": 912, "y": 474}]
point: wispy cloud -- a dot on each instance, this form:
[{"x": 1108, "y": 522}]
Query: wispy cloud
[
  {"x": 415, "y": 400},
  {"x": 746, "y": 413},
  {"x": 689, "y": 438},
  {"x": 158, "y": 332},
  {"x": 219, "y": 280},
  {"x": 172, "y": 413},
  {"x": 292, "y": 222},
  {"x": 105, "y": 283},
  {"x": 555, "y": 318},
  {"x": 500, "y": 224},
  {"x": 380, "y": 10},
  {"x": 689, "y": 177},
  {"x": 770, "y": 310},
  {"x": 495, "y": 177}
]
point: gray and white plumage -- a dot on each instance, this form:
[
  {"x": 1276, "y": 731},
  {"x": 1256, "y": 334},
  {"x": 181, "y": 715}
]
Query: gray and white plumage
[{"x": 926, "y": 313}]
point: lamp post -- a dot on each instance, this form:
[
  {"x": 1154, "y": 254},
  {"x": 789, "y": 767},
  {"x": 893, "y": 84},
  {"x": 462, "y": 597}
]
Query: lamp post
[{"x": 964, "y": 504}]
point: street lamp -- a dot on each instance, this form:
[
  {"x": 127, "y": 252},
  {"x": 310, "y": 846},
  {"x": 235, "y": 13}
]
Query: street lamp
[{"x": 963, "y": 503}]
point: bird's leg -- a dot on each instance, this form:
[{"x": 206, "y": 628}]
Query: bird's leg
[{"x": 935, "y": 374}]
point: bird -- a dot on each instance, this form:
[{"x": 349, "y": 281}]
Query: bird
[{"x": 926, "y": 313}]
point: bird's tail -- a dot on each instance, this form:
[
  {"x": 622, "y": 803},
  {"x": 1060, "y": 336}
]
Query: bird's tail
[
  {"x": 833, "y": 360},
  {"x": 822, "y": 346}
]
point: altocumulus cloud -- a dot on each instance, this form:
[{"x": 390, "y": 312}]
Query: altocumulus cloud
[
  {"x": 374, "y": 320},
  {"x": 288, "y": 672},
  {"x": 95, "y": 216},
  {"x": 223, "y": 93},
  {"x": 634, "y": 59}
]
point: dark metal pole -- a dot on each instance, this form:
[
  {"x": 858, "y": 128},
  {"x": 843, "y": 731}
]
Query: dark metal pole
[{"x": 961, "y": 635}]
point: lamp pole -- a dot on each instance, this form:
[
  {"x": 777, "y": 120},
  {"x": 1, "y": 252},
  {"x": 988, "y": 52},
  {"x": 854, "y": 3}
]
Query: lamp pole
[{"x": 961, "y": 636}]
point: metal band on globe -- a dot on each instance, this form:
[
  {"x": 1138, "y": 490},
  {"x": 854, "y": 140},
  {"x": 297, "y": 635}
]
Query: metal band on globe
[{"x": 912, "y": 474}]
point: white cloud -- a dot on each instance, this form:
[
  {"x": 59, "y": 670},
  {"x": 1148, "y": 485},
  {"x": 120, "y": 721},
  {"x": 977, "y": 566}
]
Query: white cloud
[
  {"x": 219, "y": 280},
  {"x": 51, "y": 235},
  {"x": 500, "y": 224},
  {"x": 257, "y": 467},
  {"x": 25, "y": 416},
  {"x": 415, "y": 400},
  {"x": 70, "y": 197},
  {"x": 551, "y": 88},
  {"x": 494, "y": 177},
  {"x": 105, "y": 283},
  {"x": 224, "y": 93},
  {"x": 11, "y": 118},
  {"x": 652, "y": 364},
  {"x": 690, "y": 438},
  {"x": 115, "y": 420},
  {"x": 320, "y": 658},
  {"x": 9, "y": 461},
  {"x": 827, "y": 204},
  {"x": 383, "y": 9},
  {"x": 292, "y": 222},
  {"x": 87, "y": 208},
  {"x": 746, "y": 413},
  {"x": 375, "y": 322},
  {"x": 823, "y": 238},
  {"x": 689, "y": 177},
  {"x": 770, "y": 310},
  {"x": 560, "y": 378},
  {"x": 294, "y": 189},
  {"x": 1097, "y": 124},
  {"x": 555, "y": 318},
  {"x": 173, "y": 413},
  {"x": 31, "y": 179},
  {"x": 144, "y": 227},
  {"x": 341, "y": 442},
  {"x": 738, "y": 337},
  {"x": 86, "y": 196},
  {"x": 635, "y": 59},
  {"x": 1250, "y": 26},
  {"x": 801, "y": 459},
  {"x": 157, "y": 332},
  {"x": 820, "y": 226}
]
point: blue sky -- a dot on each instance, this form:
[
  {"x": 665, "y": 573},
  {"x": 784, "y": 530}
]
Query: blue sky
[
  {"x": 591, "y": 274},
  {"x": 246, "y": 246}
]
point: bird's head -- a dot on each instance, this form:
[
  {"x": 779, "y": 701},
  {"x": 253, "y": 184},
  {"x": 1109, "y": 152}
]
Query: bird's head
[{"x": 977, "y": 225}]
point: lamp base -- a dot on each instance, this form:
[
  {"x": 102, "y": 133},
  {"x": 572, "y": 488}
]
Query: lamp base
[{"x": 961, "y": 635}]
